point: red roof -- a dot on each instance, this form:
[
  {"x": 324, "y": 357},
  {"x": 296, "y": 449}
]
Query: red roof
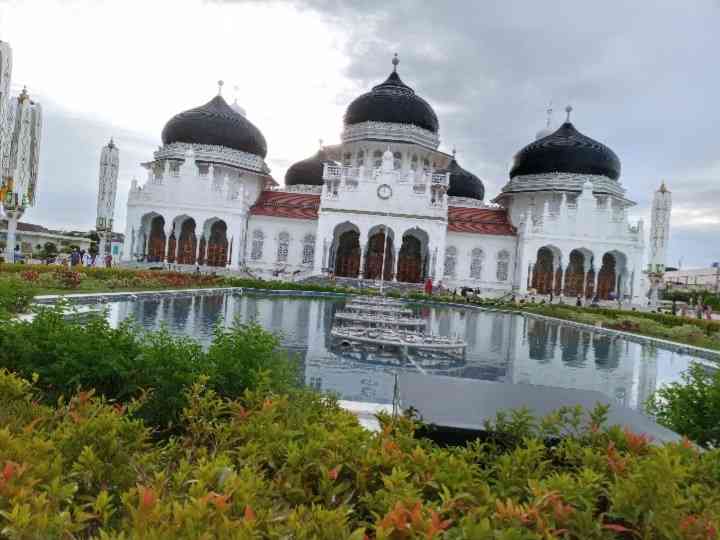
[
  {"x": 479, "y": 221},
  {"x": 286, "y": 205}
]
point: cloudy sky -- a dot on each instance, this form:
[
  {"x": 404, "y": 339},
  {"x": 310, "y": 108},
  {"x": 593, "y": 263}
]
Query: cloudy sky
[{"x": 642, "y": 77}]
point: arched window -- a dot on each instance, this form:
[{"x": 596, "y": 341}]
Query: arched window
[
  {"x": 414, "y": 162},
  {"x": 377, "y": 158},
  {"x": 308, "y": 249},
  {"x": 258, "y": 239},
  {"x": 450, "y": 261},
  {"x": 361, "y": 158},
  {"x": 283, "y": 245},
  {"x": 476, "y": 261},
  {"x": 503, "y": 265},
  {"x": 347, "y": 159},
  {"x": 397, "y": 161}
]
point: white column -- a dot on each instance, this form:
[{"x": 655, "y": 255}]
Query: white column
[
  {"x": 395, "y": 264},
  {"x": 596, "y": 275},
  {"x": 168, "y": 232},
  {"x": 566, "y": 270},
  {"x": 197, "y": 249},
  {"x": 361, "y": 270},
  {"x": 235, "y": 255},
  {"x": 12, "y": 218}
]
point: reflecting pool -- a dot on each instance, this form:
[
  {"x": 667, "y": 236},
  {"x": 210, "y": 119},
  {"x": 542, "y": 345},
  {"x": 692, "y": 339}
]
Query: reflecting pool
[{"x": 500, "y": 346}]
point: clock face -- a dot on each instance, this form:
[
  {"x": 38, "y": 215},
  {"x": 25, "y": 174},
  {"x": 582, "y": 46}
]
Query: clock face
[{"x": 384, "y": 191}]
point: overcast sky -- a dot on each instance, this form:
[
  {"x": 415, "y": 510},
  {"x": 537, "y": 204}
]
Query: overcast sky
[{"x": 642, "y": 77}]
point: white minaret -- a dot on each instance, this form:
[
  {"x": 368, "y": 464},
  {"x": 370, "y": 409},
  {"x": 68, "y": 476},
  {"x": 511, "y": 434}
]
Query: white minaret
[
  {"x": 20, "y": 159},
  {"x": 107, "y": 190},
  {"x": 659, "y": 229},
  {"x": 5, "y": 77},
  {"x": 659, "y": 236}
]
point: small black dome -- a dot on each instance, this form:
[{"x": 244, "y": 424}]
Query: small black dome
[
  {"x": 464, "y": 183},
  {"x": 308, "y": 171},
  {"x": 215, "y": 123},
  {"x": 392, "y": 101},
  {"x": 568, "y": 151}
]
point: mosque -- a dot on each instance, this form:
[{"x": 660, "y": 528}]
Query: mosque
[{"x": 387, "y": 202}]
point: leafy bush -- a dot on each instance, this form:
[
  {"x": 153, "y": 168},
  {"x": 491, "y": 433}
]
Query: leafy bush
[
  {"x": 121, "y": 363},
  {"x": 15, "y": 296},
  {"x": 297, "y": 466},
  {"x": 692, "y": 406}
]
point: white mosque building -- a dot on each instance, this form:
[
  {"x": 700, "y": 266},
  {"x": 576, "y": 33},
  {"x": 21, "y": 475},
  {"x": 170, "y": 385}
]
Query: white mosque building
[{"x": 558, "y": 225}]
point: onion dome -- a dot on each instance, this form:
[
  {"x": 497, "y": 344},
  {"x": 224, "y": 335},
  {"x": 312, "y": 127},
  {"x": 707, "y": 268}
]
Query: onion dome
[
  {"x": 464, "y": 183},
  {"x": 566, "y": 151},
  {"x": 308, "y": 171},
  {"x": 392, "y": 101},
  {"x": 215, "y": 123}
]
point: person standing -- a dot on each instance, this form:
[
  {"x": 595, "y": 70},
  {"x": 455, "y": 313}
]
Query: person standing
[
  {"x": 428, "y": 286},
  {"x": 108, "y": 261},
  {"x": 578, "y": 303}
]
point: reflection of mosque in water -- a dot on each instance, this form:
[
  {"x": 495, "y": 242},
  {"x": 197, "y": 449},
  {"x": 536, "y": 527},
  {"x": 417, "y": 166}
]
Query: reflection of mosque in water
[{"x": 500, "y": 346}]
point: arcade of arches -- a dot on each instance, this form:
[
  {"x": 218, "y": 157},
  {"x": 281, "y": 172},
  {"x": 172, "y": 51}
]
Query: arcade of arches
[
  {"x": 580, "y": 277},
  {"x": 407, "y": 264},
  {"x": 184, "y": 247}
]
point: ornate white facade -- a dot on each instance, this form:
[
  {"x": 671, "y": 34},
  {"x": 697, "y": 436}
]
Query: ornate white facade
[{"x": 386, "y": 200}]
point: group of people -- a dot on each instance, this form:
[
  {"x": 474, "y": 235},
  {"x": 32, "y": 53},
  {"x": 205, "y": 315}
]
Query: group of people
[
  {"x": 700, "y": 310},
  {"x": 80, "y": 257}
]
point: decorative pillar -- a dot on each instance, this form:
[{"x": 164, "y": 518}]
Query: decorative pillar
[
  {"x": 197, "y": 250},
  {"x": 168, "y": 233},
  {"x": 596, "y": 276},
  {"x": 566, "y": 271},
  {"x": 531, "y": 275},
  {"x": 361, "y": 270},
  {"x": 584, "y": 286},
  {"x": 395, "y": 264}
]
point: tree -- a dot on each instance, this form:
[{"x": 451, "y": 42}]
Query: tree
[
  {"x": 49, "y": 251},
  {"x": 691, "y": 407}
]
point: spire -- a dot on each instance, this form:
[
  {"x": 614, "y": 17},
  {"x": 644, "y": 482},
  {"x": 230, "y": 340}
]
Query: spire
[
  {"x": 111, "y": 144},
  {"x": 568, "y": 110},
  {"x": 454, "y": 151},
  {"x": 220, "y": 85},
  {"x": 395, "y": 62},
  {"x": 663, "y": 187}
]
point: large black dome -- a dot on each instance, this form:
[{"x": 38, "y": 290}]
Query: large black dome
[
  {"x": 215, "y": 123},
  {"x": 464, "y": 183},
  {"x": 308, "y": 171},
  {"x": 568, "y": 151},
  {"x": 392, "y": 101}
]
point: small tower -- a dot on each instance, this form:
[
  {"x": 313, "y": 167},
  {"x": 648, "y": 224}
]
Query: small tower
[
  {"x": 20, "y": 159},
  {"x": 107, "y": 189},
  {"x": 659, "y": 229}
]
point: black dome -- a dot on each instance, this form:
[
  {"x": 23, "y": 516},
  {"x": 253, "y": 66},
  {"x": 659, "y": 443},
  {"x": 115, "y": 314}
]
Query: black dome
[
  {"x": 218, "y": 124},
  {"x": 464, "y": 183},
  {"x": 308, "y": 171},
  {"x": 392, "y": 101},
  {"x": 569, "y": 151}
]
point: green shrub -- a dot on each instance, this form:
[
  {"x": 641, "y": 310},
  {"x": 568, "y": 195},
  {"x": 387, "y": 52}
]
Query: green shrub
[
  {"x": 297, "y": 466},
  {"x": 692, "y": 406},
  {"x": 15, "y": 296},
  {"x": 124, "y": 362}
]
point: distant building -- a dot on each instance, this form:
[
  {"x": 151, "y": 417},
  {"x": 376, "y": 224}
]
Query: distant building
[
  {"x": 693, "y": 279},
  {"x": 31, "y": 238}
]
